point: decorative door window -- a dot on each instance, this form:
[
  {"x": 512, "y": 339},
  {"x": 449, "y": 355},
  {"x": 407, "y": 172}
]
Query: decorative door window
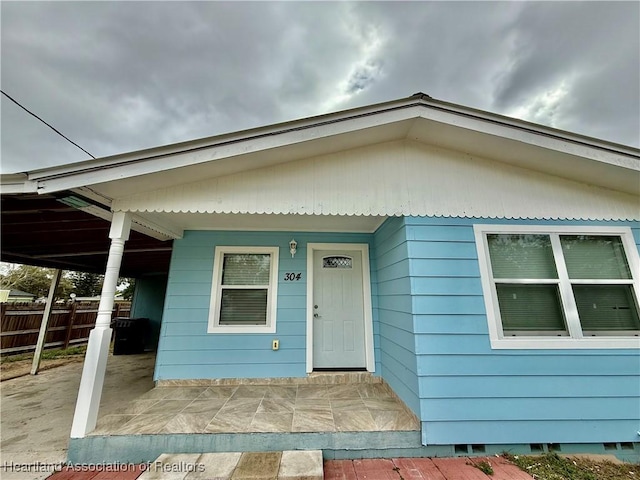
[{"x": 337, "y": 261}]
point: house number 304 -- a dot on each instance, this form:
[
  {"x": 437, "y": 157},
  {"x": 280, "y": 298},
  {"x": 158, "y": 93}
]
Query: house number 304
[{"x": 292, "y": 277}]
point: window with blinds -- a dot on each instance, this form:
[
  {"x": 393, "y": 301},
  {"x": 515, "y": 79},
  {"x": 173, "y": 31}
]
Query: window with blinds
[
  {"x": 244, "y": 289},
  {"x": 527, "y": 284},
  {"x": 570, "y": 283},
  {"x": 601, "y": 283}
]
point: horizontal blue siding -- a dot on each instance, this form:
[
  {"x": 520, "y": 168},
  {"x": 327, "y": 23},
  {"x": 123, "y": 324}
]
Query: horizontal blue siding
[
  {"x": 394, "y": 271},
  {"x": 230, "y": 370},
  {"x": 516, "y": 386},
  {"x": 470, "y": 393},
  {"x": 546, "y": 363},
  {"x": 464, "y": 324},
  {"x": 250, "y": 344},
  {"x": 455, "y": 286},
  {"x": 193, "y": 329},
  {"x": 531, "y": 408},
  {"x": 236, "y": 356},
  {"x": 395, "y": 303},
  {"x": 187, "y": 351},
  {"x": 397, "y": 339},
  {"x": 537, "y": 431}
]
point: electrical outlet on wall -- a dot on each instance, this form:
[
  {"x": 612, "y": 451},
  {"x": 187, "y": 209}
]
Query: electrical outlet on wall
[{"x": 275, "y": 345}]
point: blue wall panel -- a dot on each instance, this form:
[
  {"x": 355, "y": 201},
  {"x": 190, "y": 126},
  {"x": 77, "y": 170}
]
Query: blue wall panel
[
  {"x": 538, "y": 431},
  {"x": 148, "y": 302},
  {"x": 517, "y": 386},
  {"x": 531, "y": 408},
  {"x": 187, "y": 351},
  {"x": 470, "y": 393},
  {"x": 397, "y": 340},
  {"x": 546, "y": 363}
]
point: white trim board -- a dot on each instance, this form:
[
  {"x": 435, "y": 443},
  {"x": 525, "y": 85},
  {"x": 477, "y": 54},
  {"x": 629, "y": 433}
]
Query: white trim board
[{"x": 363, "y": 248}]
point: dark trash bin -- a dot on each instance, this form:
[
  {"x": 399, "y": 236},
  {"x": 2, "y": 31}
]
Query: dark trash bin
[{"x": 130, "y": 334}]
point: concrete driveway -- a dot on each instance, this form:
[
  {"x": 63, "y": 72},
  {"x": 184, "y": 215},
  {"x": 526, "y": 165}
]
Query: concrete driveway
[{"x": 36, "y": 411}]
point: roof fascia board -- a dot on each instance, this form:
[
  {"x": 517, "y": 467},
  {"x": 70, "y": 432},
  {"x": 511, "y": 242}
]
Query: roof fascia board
[
  {"x": 228, "y": 138},
  {"x": 534, "y": 127},
  {"x": 17, "y": 183},
  {"x": 208, "y": 153},
  {"x": 285, "y": 127},
  {"x": 535, "y": 137}
]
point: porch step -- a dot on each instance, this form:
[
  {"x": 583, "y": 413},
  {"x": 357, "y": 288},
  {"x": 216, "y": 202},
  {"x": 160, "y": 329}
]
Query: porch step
[
  {"x": 314, "y": 378},
  {"x": 290, "y": 464}
]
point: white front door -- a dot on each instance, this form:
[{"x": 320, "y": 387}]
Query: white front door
[{"x": 338, "y": 310}]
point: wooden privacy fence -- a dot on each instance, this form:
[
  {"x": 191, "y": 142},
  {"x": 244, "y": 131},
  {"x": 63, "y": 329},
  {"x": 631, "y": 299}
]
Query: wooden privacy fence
[{"x": 69, "y": 325}]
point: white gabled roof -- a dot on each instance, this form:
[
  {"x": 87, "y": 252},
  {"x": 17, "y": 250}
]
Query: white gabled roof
[
  {"x": 417, "y": 117},
  {"x": 603, "y": 177}
]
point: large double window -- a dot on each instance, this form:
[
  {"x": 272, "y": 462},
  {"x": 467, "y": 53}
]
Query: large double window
[
  {"x": 565, "y": 287},
  {"x": 244, "y": 290}
]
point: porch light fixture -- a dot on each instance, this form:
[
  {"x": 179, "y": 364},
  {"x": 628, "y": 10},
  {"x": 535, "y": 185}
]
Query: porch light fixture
[{"x": 293, "y": 246}]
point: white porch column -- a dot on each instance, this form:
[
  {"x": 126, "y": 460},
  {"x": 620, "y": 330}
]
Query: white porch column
[{"x": 95, "y": 362}]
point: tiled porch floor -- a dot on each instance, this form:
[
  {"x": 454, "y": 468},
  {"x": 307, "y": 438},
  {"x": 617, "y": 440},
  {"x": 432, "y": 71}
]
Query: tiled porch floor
[{"x": 260, "y": 408}]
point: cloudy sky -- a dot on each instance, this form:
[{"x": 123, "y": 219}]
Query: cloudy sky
[{"x": 122, "y": 76}]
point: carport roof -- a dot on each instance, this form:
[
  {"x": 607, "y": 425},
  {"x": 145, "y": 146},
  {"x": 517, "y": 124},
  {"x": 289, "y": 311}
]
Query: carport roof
[{"x": 44, "y": 231}]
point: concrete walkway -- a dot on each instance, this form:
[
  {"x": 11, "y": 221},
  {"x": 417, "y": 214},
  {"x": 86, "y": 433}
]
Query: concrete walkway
[{"x": 36, "y": 412}]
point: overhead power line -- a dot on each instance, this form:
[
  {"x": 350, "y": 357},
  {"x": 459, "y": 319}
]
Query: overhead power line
[{"x": 48, "y": 125}]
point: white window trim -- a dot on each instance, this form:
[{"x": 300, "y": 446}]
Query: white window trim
[
  {"x": 575, "y": 340},
  {"x": 216, "y": 292}
]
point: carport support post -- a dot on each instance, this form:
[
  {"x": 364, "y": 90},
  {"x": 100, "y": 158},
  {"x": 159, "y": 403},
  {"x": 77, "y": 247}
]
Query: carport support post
[
  {"x": 95, "y": 362},
  {"x": 44, "y": 323}
]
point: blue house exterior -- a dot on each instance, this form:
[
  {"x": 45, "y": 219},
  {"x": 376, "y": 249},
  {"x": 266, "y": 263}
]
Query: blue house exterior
[
  {"x": 487, "y": 269},
  {"x": 431, "y": 339}
]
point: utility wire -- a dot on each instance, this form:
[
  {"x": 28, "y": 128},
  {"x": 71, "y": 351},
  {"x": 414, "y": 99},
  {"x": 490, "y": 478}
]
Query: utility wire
[{"x": 50, "y": 126}]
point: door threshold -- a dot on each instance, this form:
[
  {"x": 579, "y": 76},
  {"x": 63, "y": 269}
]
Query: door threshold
[{"x": 338, "y": 370}]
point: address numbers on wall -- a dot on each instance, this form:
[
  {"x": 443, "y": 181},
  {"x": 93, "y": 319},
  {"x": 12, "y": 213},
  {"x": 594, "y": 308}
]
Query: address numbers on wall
[{"x": 292, "y": 276}]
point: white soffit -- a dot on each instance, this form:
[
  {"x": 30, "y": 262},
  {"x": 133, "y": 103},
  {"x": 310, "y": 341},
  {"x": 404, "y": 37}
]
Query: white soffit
[
  {"x": 267, "y": 222},
  {"x": 394, "y": 178},
  {"x": 577, "y": 162}
]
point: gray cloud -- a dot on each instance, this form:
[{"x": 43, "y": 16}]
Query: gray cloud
[{"x": 120, "y": 76}]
